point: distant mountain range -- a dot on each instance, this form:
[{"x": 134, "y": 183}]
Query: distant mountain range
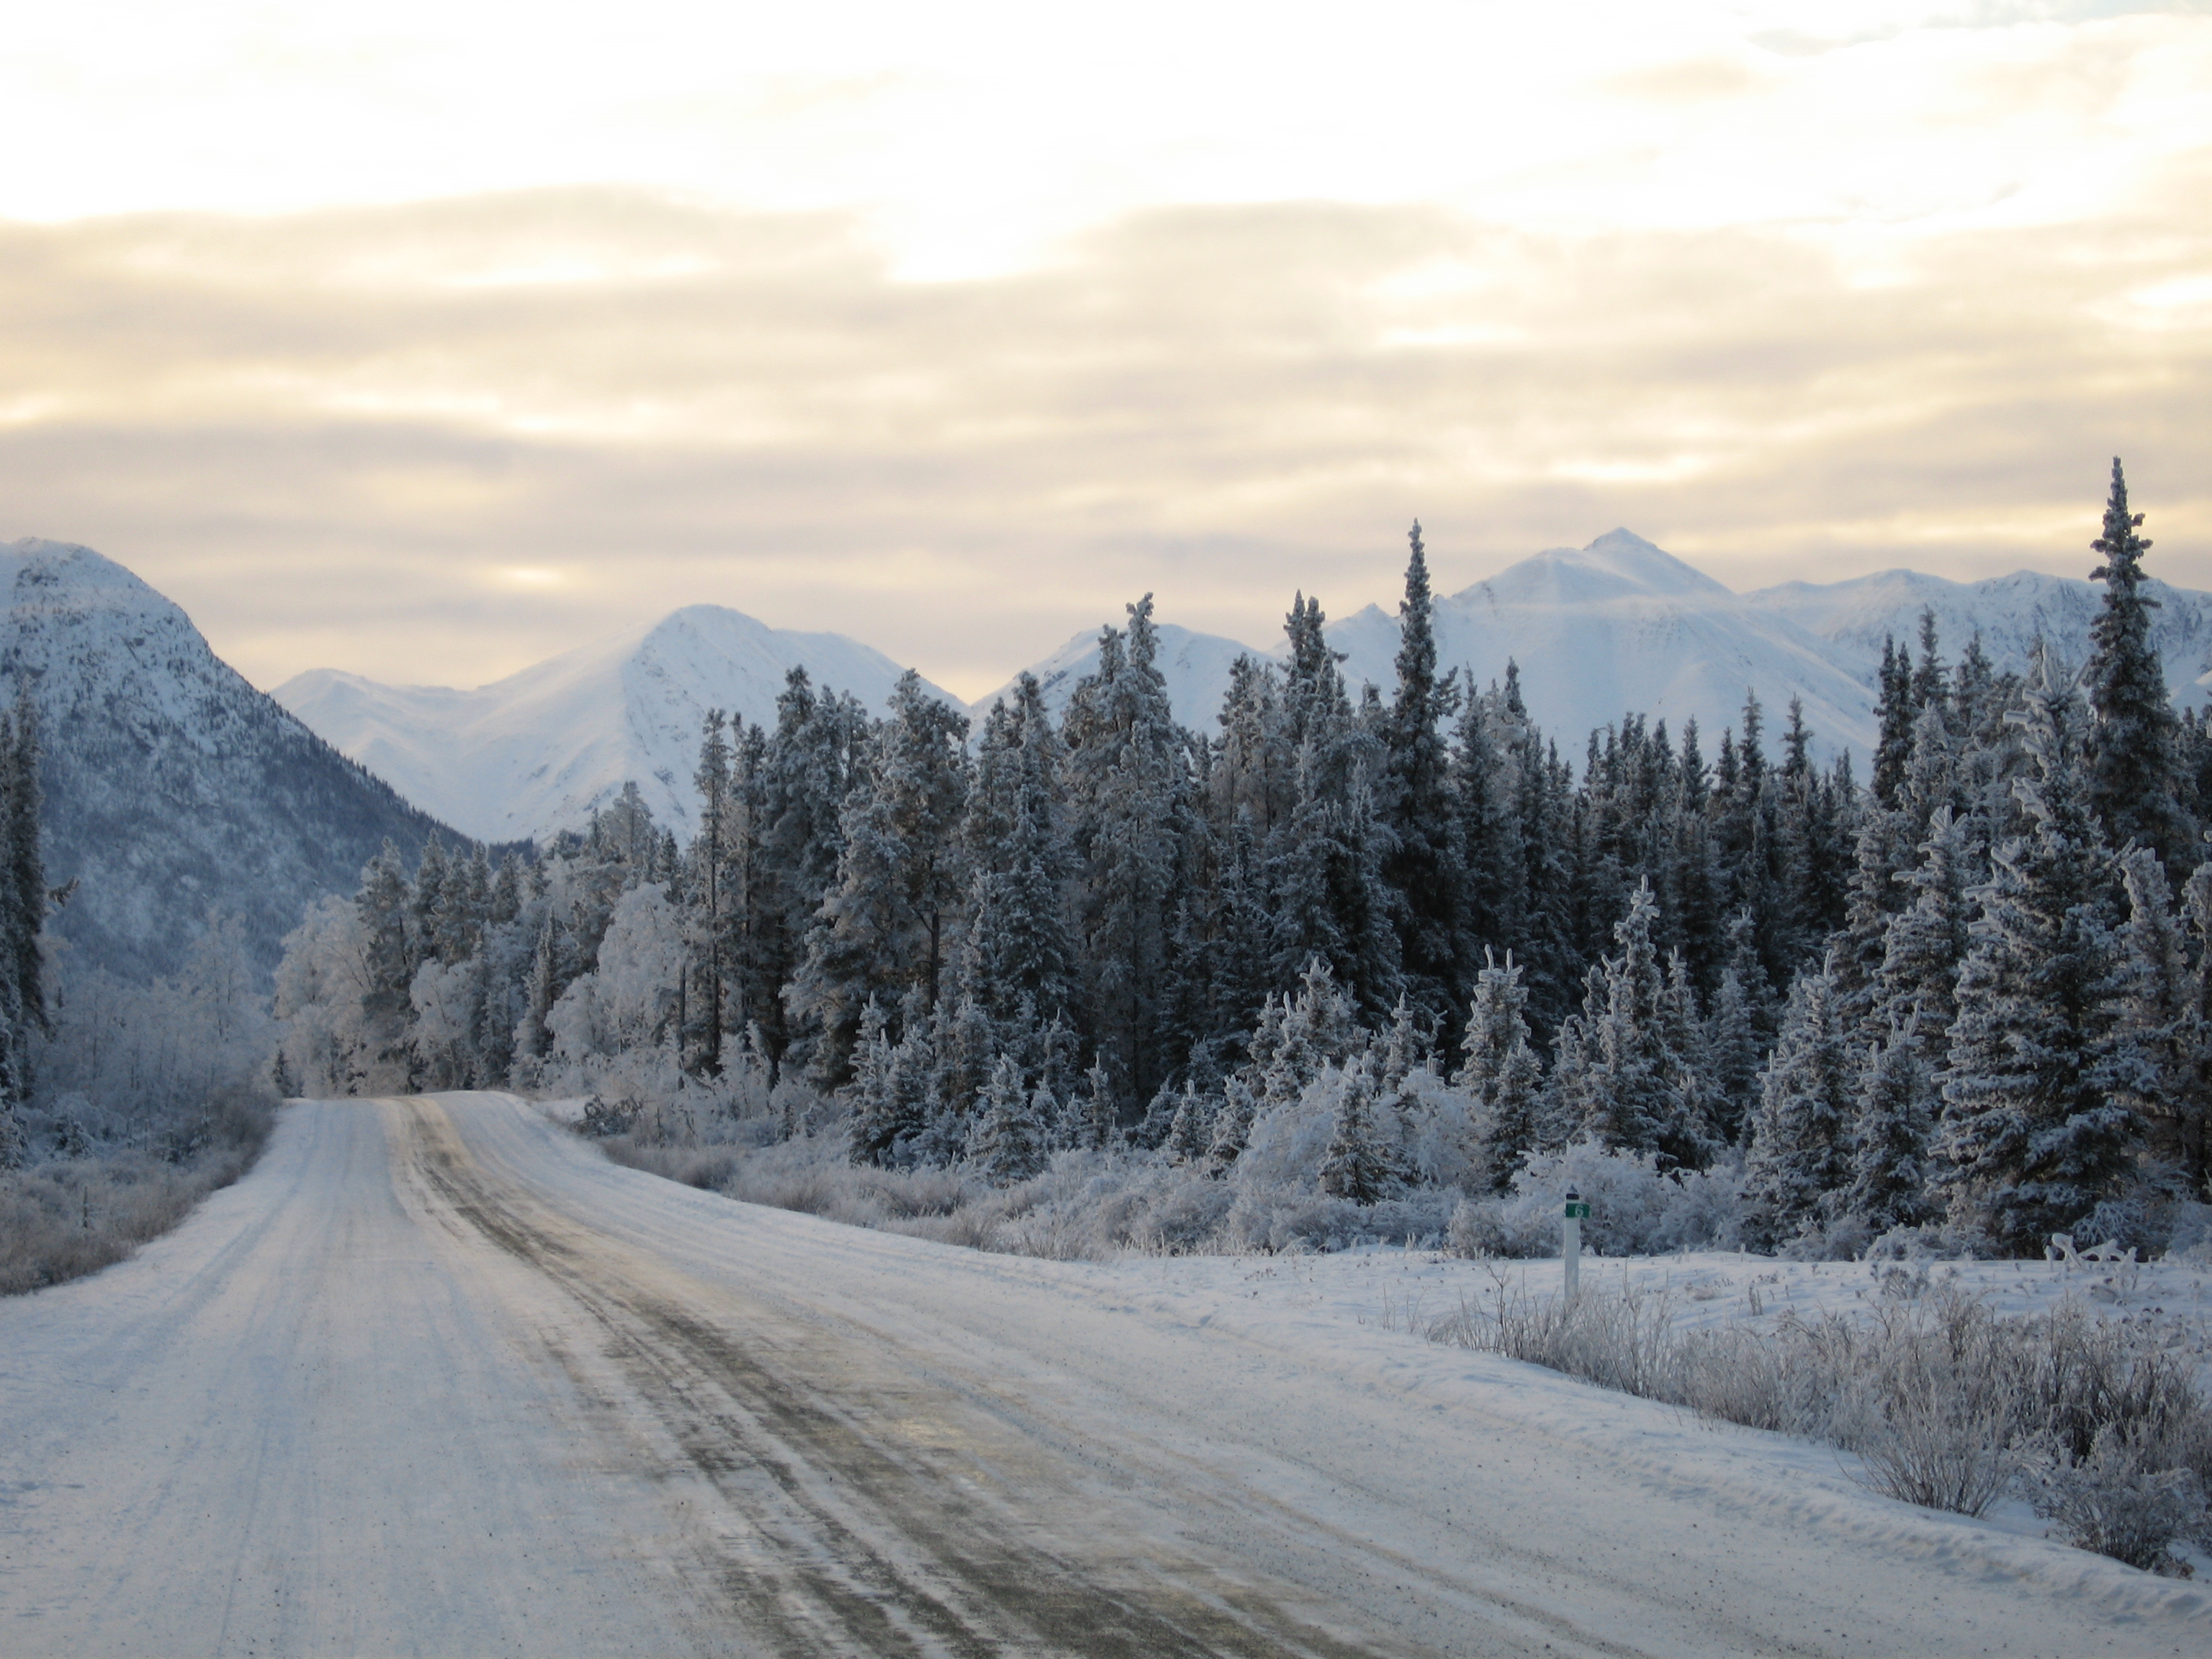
[
  {"x": 173, "y": 786},
  {"x": 537, "y": 752},
  {"x": 1617, "y": 627}
]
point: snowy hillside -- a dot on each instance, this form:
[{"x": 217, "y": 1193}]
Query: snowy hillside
[
  {"x": 2009, "y": 612},
  {"x": 1619, "y": 627},
  {"x": 1195, "y": 667},
  {"x": 1600, "y": 631},
  {"x": 173, "y": 786},
  {"x": 534, "y": 754}
]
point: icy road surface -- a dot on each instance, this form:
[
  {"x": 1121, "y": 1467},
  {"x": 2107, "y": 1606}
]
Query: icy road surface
[{"x": 436, "y": 1378}]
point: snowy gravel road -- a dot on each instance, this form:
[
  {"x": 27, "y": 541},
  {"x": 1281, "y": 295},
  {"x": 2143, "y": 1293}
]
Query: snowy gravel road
[{"x": 436, "y": 1378}]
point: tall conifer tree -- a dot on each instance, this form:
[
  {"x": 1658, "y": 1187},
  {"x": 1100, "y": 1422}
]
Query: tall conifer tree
[{"x": 2132, "y": 763}]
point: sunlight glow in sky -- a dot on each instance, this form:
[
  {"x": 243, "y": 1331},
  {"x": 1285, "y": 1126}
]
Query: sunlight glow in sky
[{"x": 426, "y": 344}]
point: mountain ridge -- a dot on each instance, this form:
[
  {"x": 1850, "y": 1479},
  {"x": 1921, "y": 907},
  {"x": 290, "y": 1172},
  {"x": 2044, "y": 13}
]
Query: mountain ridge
[
  {"x": 1616, "y": 627},
  {"x": 538, "y": 752},
  {"x": 173, "y": 786}
]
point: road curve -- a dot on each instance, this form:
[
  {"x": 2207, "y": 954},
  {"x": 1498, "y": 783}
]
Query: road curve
[{"x": 436, "y": 1378}]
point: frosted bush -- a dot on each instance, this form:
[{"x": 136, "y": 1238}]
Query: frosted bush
[
  {"x": 1288, "y": 1141},
  {"x": 2133, "y": 1497},
  {"x": 1946, "y": 1404},
  {"x": 1634, "y": 1209}
]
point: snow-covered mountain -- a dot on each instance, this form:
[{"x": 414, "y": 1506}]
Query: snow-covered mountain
[
  {"x": 1618, "y": 626},
  {"x": 2009, "y": 612},
  {"x": 1195, "y": 667},
  {"x": 1622, "y": 627},
  {"x": 534, "y": 754},
  {"x": 173, "y": 786},
  {"x": 1601, "y": 631}
]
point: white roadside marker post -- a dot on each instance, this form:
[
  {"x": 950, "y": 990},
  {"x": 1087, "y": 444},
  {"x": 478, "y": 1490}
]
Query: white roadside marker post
[{"x": 1570, "y": 1242}]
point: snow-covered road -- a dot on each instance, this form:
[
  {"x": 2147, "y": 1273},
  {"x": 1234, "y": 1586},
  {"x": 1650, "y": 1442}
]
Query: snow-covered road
[{"x": 436, "y": 1378}]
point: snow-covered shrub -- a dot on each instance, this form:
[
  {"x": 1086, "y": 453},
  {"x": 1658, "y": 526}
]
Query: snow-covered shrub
[
  {"x": 1635, "y": 1209},
  {"x": 2189, "y": 1233},
  {"x": 1945, "y": 1402},
  {"x": 2133, "y": 1497}
]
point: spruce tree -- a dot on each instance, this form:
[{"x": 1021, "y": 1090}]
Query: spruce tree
[
  {"x": 2132, "y": 765},
  {"x": 1232, "y": 1124},
  {"x": 1893, "y": 712},
  {"x": 1016, "y": 965},
  {"x": 1925, "y": 946},
  {"x": 2182, "y": 1143},
  {"x": 1632, "y": 1090},
  {"x": 1190, "y": 1132},
  {"x": 1801, "y": 1151},
  {"x": 2157, "y": 1015},
  {"x": 2031, "y": 1138},
  {"x": 389, "y": 947},
  {"x": 707, "y": 930},
  {"x": 794, "y": 782},
  {"x": 1424, "y": 865},
  {"x": 1736, "y": 1051},
  {"x": 1889, "y": 1138},
  {"x": 887, "y": 927},
  {"x": 1009, "y": 1144},
  {"x": 1360, "y": 1164},
  {"x": 23, "y": 804},
  {"x": 1126, "y": 774},
  {"x": 1325, "y": 866},
  {"x": 1501, "y": 1071},
  {"x": 1486, "y": 789}
]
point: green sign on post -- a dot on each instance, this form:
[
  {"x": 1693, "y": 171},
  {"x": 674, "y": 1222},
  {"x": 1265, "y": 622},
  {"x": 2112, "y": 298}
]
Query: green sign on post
[{"x": 1578, "y": 1212}]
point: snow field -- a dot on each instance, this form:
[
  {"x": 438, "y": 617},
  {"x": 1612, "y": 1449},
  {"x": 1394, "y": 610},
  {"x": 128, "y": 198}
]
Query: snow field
[{"x": 438, "y": 1377}]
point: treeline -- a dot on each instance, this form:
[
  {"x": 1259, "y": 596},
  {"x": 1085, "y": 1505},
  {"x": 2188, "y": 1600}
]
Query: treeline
[
  {"x": 1960, "y": 995},
  {"x": 24, "y": 902}
]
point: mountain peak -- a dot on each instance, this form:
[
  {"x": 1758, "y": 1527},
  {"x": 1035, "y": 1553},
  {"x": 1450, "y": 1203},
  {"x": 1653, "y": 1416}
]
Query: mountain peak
[
  {"x": 537, "y": 752},
  {"x": 1620, "y": 565}
]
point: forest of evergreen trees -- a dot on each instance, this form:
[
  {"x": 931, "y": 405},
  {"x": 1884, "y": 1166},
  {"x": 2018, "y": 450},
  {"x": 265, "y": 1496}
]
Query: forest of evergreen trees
[
  {"x": 1972, "y": 992},
  {"x": 24, "y": 903}
]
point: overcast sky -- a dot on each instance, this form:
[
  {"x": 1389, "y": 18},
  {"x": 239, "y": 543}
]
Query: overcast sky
[{"x": 425, "y": 348}]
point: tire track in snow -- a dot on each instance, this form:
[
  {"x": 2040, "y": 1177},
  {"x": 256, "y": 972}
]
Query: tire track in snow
[{"x": 848, "y": 1530}]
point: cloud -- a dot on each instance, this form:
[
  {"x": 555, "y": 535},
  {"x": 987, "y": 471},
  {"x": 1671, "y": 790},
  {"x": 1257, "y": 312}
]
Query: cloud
[
  {"x": 1693, "y": 81},
  {"x": 435, "y": 441}
]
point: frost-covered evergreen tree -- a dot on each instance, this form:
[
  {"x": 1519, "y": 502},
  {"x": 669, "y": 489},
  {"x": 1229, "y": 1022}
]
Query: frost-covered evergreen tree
[
  {"x": 1325, "y": 866},
  {"x": 2032, "y": 1137},
  {"x": 2133, "y": 773},
  {"x": 389, "y": 963},
  {"x": 1010, "y": 1140},
  {"x": 24, "y": 902},
  {"x": 22, "y": 804},
  {"x": 2181, "y": 1142},
  {"x": 1630, "y": 1089},
  {"x": 1893, "y": 712},
  {"x": 1501, "y": 1071},
  {"x": 716, "y": 884},
  {"x": 1232, "y": 1123},
  {"x": 892, "y": 1096},
  {"x": 2152, "y": 1013},
  {"x": 1190, "y": 1132},
  {"x": 1924, "y": 944},
  {"x": 1126, "y": 779},
  {"x": 1424, "y": 864},
  {"x": 1361, "y": 1164},
  {"x": 889, "y": 925},
  {"x": 1301, "y": 1036},
  {"x": 1801, "y": 1151},
  {"x": 794, "y": 782},
  {"x": 1015, "y": 966},
  {"x": 1889, "y": 1139}
]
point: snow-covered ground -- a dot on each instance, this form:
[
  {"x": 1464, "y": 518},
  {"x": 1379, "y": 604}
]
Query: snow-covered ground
[{"x": 438, "y": 1377}]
